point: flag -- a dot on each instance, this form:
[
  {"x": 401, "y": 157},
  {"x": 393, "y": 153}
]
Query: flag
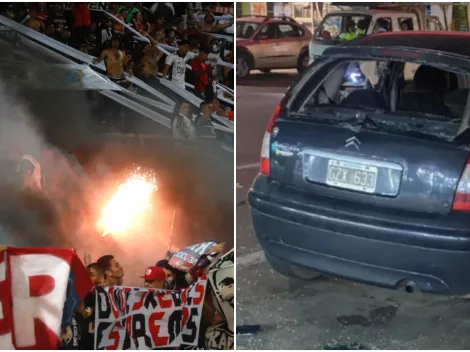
[{"x": 40, "y": 287}]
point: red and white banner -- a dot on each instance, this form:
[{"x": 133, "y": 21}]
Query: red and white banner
[
  {"x": 33, "y": 291},
  {"x": 134, "y": 318}
]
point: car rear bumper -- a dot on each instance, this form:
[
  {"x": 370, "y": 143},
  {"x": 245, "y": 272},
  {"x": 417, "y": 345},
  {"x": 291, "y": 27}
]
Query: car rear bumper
[{"x": 303, "y": 239}]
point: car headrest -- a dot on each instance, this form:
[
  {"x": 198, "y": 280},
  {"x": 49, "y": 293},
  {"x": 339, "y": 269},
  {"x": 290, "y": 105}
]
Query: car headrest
[{"x": 430, "y": 79}]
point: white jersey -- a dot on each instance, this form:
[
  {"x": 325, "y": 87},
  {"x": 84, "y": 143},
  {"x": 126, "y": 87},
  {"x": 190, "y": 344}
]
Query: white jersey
[{"x": 178, "y": 70}]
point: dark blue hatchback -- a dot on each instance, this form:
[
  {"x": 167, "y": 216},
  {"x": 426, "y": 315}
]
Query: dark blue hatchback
[{"x": 365, "y": 172}]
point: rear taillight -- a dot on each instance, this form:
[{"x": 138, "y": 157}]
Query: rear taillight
[
  {"x": 265, "y": 164},
  {"x": 462, "y": 195}
]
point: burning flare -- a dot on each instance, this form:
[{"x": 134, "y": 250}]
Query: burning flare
[{"x": 131, "y": 201}]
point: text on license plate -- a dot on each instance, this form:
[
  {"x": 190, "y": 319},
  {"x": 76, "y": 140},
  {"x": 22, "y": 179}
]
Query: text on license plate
[{"x": 358, "y": 177}]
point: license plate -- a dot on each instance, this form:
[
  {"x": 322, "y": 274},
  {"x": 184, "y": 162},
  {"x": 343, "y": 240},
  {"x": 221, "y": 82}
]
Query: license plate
[{"x": 353, "y": 176}]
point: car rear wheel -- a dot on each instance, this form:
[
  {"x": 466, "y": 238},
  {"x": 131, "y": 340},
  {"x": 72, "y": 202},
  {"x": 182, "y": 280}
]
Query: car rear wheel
[
  {"x": 265, "y": 70},
  {"x": 243, "y": 66},
  {"x": 302, "y": 62},
  {"x": 290, "y": 270}
]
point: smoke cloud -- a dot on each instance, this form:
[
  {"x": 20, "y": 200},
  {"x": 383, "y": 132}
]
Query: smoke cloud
[{"x": 195, "y": 196}]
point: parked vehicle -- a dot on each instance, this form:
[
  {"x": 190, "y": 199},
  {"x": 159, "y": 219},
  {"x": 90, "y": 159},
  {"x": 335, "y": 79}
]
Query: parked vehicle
[
  {"x": 371, "y": 182},
  {"x": 335, "y": 25},
  {"x": 267, "y": 43}
]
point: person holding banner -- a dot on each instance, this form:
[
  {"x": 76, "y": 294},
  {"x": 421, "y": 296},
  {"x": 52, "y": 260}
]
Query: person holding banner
[
  {"x": 154, "y": 277},
  {"x": 113, "y": 271}
]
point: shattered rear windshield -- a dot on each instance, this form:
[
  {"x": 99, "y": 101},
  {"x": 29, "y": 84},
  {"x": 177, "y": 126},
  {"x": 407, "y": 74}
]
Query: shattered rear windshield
[{"x": 408, "y": 97}]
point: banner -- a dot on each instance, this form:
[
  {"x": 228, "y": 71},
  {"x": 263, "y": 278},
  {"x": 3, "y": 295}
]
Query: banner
[
  {"x": 39, "y": 290},
  {"x": 188, "y": 257},
  {"x": 219, "y": 337},
  {"x": 134, "y": 318},
  {"x": 221, "y": 278}
]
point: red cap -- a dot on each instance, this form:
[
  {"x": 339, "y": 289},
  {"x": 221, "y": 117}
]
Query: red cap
[{"x": 154, "y": 273}]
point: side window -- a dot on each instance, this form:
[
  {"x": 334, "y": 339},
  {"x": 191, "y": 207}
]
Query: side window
[
  {"x": 299, "y": 30},
  {"x": 343, "y": 27},
  {"x": 286, "y": 30},
  {"x": 383, "y": 24},
  {"x": 269, "y": 31},
  {"x": 406, "y": 23}
]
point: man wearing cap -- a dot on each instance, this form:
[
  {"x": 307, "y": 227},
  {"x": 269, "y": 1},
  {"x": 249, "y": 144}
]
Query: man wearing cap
[{"x": 154, "y": 277}]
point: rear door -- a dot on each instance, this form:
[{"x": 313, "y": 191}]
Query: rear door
[
  {"x": 268, "y": 47},
  {"x": 290, "y": 46}
]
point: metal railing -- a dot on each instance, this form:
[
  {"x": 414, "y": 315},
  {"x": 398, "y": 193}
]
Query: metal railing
[{"x": 53, "y": 48}]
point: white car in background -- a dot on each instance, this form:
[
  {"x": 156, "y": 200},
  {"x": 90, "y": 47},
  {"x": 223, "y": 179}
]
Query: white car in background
[{"x": 334, "y": 24}]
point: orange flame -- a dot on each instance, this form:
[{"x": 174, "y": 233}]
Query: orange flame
[{"x": 128, "y": 205}]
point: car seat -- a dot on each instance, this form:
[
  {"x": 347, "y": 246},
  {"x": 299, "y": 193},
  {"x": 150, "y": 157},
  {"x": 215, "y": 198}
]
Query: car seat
[{"x": 429, "y": 85}]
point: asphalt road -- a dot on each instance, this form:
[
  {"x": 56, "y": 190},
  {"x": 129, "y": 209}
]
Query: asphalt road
[{"x": 275, "y": 312}]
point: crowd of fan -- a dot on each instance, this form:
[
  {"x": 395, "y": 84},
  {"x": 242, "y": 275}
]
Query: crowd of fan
[
  {"x": 180, "y": 26},
  {"x": 123, "y": 51}
]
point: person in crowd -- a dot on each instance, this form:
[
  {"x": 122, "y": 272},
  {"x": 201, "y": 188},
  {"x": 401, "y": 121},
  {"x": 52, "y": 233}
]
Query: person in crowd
[
  {"x": 96, "y": 274},
  {"x": 201, "y": 71},
  {"x": 154, "y": 277},
  {"x": 58, "y": 20},
  {"x": 138, "y": 22},
  {"x": 183, "y": 128},
  {"x": 30, "y": 173},
  {"x": 113, "y": 271},
  {"x": 82, "y": 18},
  {"x": 92, "y": 40},
  {"x": 170, "y": 37},
  {"x": 122, "y": 15},
  {"x": 177, "y": 62},
  {"x": 137, "y": 7},
  {"x": 107, "y": 32},
  {"x": 115, "y": 60},
  {"x": 209, "y": 24},
  {"x": 170, "y": 282},
  {"x": 35, "y": 22},
  {"x": 180, "y": 280},
  {"x": 203, "y": 124}
]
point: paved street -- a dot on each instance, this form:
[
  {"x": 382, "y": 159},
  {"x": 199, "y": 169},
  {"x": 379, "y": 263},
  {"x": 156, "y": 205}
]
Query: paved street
[{"x": 283, "y": 313}]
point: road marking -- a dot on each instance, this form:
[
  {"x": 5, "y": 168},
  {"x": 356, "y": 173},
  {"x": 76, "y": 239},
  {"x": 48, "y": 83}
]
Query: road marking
[
  {"x": 248, "y": 166},
  {"x": 250, "y": 259}
]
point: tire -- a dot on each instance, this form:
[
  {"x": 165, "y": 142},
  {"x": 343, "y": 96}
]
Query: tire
[
  {"x": 302, "y": 62},
  {"x": 289, "y": 270},
  {"x": 243, "y": 65},
  {"x": 265, "y": 70}
]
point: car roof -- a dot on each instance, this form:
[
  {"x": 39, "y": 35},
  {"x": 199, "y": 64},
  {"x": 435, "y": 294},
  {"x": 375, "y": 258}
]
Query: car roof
[
  {"x": 252, "y": 19},
  {"x": 369, "y": 12},
  {"x": 265, "y": 19},
  {"x": 456, "y": 43}
]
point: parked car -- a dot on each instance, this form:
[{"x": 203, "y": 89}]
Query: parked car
[
  {"x": 266, "y": 43},
  {"x": 371, "y": 182},
  {"x": 335, "y": 25}
]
